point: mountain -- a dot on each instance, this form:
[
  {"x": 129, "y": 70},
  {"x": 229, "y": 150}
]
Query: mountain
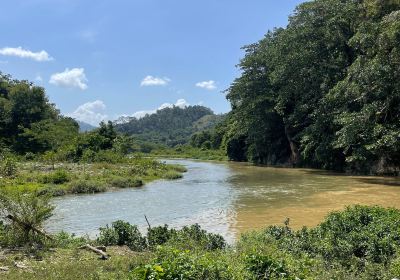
[
  {"x": 169, "y": 126},
  {"x": 83, "y": 127}
]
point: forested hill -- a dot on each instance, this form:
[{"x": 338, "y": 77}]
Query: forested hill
[
  {"x": 83, "y": 126},
  {"x": 170, "y": 126},
  {"x": 322, "y": 92}
]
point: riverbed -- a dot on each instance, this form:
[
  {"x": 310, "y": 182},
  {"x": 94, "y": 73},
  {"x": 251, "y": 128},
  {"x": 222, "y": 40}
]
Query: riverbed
[{"x": 226, "y": 198}]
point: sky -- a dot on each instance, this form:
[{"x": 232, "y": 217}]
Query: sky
[{"x": 106, "y": 59}]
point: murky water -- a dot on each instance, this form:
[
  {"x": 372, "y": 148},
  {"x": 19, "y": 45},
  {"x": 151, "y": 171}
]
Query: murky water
[{"x": 226, "y": 198}]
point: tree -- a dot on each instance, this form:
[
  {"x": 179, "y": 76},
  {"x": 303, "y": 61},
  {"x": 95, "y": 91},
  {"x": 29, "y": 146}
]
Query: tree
[{"x": 322, "y": 92}]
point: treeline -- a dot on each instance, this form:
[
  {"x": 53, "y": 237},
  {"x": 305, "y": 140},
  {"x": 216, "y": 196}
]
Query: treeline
[
  {"x": 323, "y": 92},
  {"x": 170, "y": 126},
  {"x": 30, "y": 126}
]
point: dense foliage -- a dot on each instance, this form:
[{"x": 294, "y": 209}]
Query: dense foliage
[
  {"x": 28, "y": 122},
  {"x": 170, "y": 126},
  {"x": 122, "y": 233},
  {"x": 357, "y": 243},
  {"x": 322, "y": 92}
]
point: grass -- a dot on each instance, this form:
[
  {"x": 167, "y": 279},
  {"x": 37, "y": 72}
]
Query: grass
[
  {"x": 73, "y": 264},
  {"x": 190, "y": 153},
  {"x": 74, "y": 178}
]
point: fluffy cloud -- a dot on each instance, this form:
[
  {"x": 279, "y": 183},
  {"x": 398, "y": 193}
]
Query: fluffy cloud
[
  {"x": 209, "y": 85},
  {"x": 20, "y": 52},
  {"x": 70, "y": 78},
  {"x": 154, "y": 81},
  {"x": 90, "y": 112},
  {"x": 181, "y": 103}
]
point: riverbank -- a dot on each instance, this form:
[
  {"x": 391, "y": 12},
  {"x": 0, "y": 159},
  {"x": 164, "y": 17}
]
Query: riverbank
[
  {"x": 58, "y": 179},
  {"x": 357, "y": 243},
  {"x": 188, "y": 152}
]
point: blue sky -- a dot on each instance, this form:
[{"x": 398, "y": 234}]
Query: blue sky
[{"x": 103, "y": 59}]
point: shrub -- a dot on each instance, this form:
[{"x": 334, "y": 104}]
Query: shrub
[
  {"x": 66, "y": 240},
  {"x": 8, "y": 167},
  {"x": 265, "y": 267},
  {"x": 367, "y": 234},
  {"x": 86, "y": 186},
  {"x": 28, "y": 212},
  {"x": 160, "y": 235},
  {"x": 107, "y": 156},
  {"x": 361, "y": 239},
  {"x": 177, "y": 264},
  {"x": 60, "y": 176},
  {"x": 122, "y": 233},
  {"x": 125, "y": 183},
  {"x": 194, "y": 236},
  {"x": 172, "y": 175},
  {"x": 29, "y": 156}
]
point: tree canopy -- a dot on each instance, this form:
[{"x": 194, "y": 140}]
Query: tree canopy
[{"x": 322, "y": 92}]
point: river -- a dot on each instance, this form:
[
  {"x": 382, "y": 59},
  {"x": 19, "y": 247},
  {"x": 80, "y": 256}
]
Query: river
[{"x": 225, "y": 198}]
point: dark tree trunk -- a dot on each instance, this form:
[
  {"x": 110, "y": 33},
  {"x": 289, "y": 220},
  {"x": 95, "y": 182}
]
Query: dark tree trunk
[{"x": 294, "y": 157}]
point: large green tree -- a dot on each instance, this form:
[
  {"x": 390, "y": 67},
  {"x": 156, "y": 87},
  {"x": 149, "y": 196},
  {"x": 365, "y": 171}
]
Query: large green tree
[
  {"x": 28, "y": 121},
  {"x": 323, "y": 91}
]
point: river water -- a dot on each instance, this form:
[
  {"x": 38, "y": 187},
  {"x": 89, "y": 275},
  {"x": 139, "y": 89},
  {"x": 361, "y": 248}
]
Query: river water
[{"x": 225, "y": 198}]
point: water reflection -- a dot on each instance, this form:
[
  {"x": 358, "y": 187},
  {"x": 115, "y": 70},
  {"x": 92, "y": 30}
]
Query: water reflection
[{"x": 226, "y": 198}]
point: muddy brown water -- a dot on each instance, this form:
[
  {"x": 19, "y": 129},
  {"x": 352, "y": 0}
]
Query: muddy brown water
[{"x": 226, "y": 198}]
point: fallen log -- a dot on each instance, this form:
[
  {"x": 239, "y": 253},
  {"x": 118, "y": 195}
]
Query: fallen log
[
  {"x": 29, "y": 227},
  {"x": 103, "y": 255},
  {"x": 102, "y": 248},
  {"x": 20, "y": 265}
]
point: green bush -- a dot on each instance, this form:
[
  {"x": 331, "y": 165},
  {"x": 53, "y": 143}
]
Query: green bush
[
  {"x": 66, "y": 240},
  {"x": 122, "y": 233},
  {"x": 60, "y": 176},
  {"x": 8, "y": 167},
  {"x": 361, "y": 233},
  {"x": 184, "y": 264},
  {"x": 160, "y": 235},
  {"x": 86, "y": 186},
  {"x": 194, "y": 236},
  {"x": 107, "y": 156},
  {"x": 361, "y": 239},
  {"x": 26, "y": 212},
  {"x": 125, "y": 183},
  {"x": 265, "y": 267}
]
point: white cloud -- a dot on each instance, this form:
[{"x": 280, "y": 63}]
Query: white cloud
[
  {"x": 70, "y": 78},
  {"x": 209, "y": 85},
  {"x": 154, "y": 81},
  {"x": 181, "y": 103},
  {"x": 20, "y": 52},
  {"x": 90, "y": 112}
]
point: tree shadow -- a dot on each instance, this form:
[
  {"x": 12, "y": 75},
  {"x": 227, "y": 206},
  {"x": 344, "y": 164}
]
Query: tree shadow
[{"x": 393, "y": 182}]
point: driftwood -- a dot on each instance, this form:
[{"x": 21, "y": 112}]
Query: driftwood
[
  {"x": 103, "y": 255},
  {"x": 29, "y": 227}
]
